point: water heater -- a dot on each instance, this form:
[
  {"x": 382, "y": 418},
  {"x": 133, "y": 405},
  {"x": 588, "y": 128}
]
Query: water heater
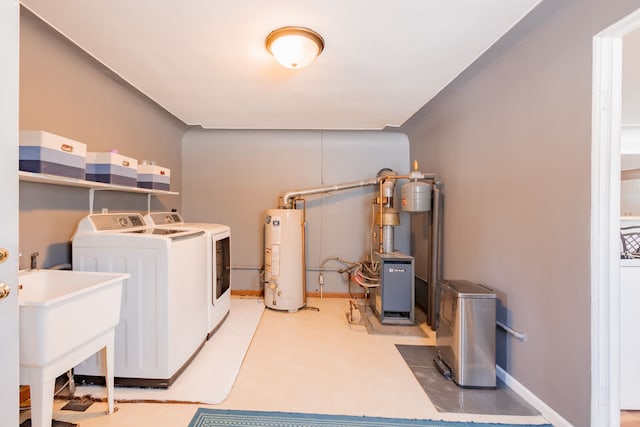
[{"x": 284, "y": 259}]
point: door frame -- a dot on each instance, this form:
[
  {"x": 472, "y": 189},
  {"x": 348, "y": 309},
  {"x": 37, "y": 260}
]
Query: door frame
[
  {"x": 9, "y": 87},
  {"x": 605, "y": 220}
]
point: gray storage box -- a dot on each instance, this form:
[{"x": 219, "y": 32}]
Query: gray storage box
[
  {"x": 44, "y": 152},
  {"x": 154, "y": 177},
  {"x": 112, "y": 168},
  {"x": 466, "y": 336}
]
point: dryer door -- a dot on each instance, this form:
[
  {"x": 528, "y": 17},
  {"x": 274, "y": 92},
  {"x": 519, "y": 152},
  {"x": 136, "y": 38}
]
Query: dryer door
[{"x": 223, "y": 267}]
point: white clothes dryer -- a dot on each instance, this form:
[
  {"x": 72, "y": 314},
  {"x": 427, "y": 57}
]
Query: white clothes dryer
[
  {"x": 162, "y": 322},
  {"x": 218, "y": 264}
]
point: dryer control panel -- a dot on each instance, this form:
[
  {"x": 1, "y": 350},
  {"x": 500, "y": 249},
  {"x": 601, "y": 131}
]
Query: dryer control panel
[{"x": 165, "y": 218}]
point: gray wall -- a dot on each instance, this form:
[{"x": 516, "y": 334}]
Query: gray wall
[
  {"x": 511, "y": 138},
  {"x": 66, "y": 92},
  {"x": 232, "y": 177}
]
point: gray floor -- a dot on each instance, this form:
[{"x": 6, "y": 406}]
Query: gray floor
[{"x": 446, "y": 396}]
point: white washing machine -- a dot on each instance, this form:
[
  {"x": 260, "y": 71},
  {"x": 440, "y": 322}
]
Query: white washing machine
[
  {"x": 162, "y": 321},
  {"x": 218, "y": 269}
]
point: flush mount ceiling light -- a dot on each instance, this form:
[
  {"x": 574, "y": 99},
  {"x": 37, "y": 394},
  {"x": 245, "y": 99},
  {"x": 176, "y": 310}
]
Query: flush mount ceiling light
[{"x": 294, "y": 47}]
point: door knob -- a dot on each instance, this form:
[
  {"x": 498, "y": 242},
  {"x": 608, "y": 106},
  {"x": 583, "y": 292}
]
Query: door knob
[
  {"x": 4, "y": 254},
  {"x": 5, "y": 290}
]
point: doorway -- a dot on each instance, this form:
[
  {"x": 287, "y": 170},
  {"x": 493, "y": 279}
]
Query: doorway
[{"x": 605, "y": 220}]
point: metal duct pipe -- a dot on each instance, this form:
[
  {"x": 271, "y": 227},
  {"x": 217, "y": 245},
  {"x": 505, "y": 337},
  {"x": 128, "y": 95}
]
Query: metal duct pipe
[
  {"x": 434, "y": 295},
  {"x": 387, "y": 183},
  {"x": 388, "y": 236},
  {"x": 388, "y": 188},
  {"x": 288, "y": 198}
]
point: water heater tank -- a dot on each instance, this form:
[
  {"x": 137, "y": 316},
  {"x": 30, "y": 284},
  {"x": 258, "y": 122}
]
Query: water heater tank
[
  {"x": 285, "y": 267},
  {"x": 416, "y": 196}
]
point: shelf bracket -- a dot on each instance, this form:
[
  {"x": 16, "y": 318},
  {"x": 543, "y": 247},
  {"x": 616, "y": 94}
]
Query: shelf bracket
[{"x": 91, "y": 194}]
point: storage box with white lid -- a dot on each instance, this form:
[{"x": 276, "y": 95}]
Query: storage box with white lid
[
  {"x": 44, "y": 152},
  {"x": 153, "y": 176},
  {"x": 112, "y": 168}
]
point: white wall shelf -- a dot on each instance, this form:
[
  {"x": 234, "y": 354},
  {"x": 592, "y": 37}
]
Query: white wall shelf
[
  {"x": 91, "y": 185},
  {"x": 74, "y": 182}
]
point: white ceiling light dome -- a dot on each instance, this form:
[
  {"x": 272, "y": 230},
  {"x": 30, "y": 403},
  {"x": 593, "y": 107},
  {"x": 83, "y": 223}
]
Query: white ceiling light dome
[{"x": 294, "y": 47}]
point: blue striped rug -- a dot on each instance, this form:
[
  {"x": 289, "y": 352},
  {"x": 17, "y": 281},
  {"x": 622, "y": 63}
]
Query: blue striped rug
[{"x": 206, "y": 417}]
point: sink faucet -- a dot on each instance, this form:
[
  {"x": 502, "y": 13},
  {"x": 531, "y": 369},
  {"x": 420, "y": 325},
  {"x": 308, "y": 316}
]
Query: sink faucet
[{"x": 34, "y": 260}]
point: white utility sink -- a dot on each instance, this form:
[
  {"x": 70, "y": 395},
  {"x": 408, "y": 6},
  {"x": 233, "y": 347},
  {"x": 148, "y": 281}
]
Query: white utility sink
[{"x": 65, "y": 317}]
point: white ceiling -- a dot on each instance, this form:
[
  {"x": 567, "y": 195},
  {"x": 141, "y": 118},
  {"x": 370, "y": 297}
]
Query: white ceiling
[{"x": 205, "y": 62}]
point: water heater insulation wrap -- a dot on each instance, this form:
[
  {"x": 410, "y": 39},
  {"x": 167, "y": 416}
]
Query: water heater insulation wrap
[
  {"x": 284, "y": 261},
  {"x": 416, "y": 196}
]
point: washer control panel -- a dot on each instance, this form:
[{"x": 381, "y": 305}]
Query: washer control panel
[{"x": 117, "y": 221}]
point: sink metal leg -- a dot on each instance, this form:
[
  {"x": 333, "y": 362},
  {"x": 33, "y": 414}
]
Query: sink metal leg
[{"x": 108, "y": 357}]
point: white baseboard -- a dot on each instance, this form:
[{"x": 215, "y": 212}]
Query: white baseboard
[{"x": 552, "y": 416}]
